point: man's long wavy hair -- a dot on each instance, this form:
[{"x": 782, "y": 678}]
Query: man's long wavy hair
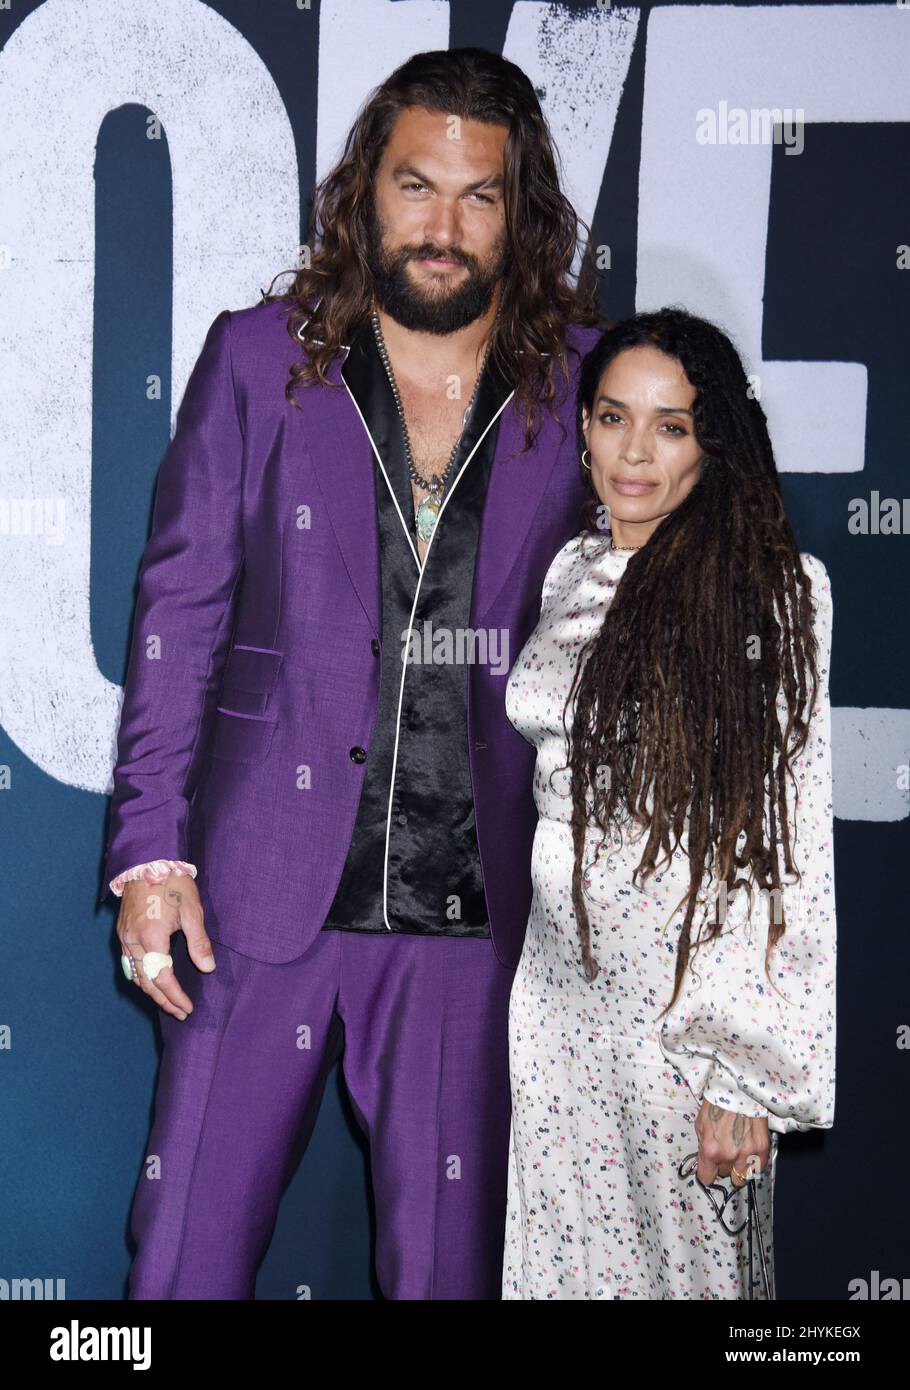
[
  {"x": 673, "y": 695},
  {"x": 538, "y": 300}
]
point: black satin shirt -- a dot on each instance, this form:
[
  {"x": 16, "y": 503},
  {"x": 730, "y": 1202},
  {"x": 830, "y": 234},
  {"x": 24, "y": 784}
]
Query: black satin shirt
[{"x": 433, "y": 885}]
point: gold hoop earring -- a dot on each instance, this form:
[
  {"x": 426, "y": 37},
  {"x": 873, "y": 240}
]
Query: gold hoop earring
[{"x": 583, "y": 464}]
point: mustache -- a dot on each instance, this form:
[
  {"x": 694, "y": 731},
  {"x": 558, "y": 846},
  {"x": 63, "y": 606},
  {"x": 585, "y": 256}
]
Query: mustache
[{"x": 434, "y": 253}]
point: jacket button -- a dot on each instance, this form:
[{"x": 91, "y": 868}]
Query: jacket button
[
  {"x": 374, "y": 646},
  {"x": 358, "y": 754}
]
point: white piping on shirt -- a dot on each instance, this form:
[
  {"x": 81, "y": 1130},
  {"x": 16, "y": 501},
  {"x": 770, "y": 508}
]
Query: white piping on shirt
[
  {"x": 407, "y": 533},
  {"x": 421, "y": 571}
]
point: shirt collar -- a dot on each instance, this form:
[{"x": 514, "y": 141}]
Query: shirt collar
[{"x": 363, "y": 367}]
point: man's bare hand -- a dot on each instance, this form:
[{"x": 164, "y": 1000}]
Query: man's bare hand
[
  {"x": 149, "y": 916},
  {"x": 727, "y": 1140}
]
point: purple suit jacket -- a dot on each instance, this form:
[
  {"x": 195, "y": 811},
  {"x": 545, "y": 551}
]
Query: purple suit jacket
[{"x": 251, "y": 675}]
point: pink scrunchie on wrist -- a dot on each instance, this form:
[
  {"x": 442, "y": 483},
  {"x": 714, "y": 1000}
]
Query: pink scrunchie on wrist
[{"x": 156, "y": 871}]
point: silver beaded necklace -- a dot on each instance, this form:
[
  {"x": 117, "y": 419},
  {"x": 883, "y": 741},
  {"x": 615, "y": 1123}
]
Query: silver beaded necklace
[{"x": 429, "y": 507}]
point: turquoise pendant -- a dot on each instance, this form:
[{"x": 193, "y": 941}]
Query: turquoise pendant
[{"x": 427, "y": 513}]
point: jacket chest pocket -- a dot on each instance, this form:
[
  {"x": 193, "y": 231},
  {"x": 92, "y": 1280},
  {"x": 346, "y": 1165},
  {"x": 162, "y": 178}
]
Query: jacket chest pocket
[
  {"x": 243, "y": 731},
  {"x": 249, "y": 678}
]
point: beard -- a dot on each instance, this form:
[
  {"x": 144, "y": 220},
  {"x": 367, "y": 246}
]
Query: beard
[{"x": 434, "y": 307}]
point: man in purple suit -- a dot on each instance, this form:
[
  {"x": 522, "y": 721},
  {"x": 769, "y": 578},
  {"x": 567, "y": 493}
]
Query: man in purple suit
[{"x": 351, "y": 529}]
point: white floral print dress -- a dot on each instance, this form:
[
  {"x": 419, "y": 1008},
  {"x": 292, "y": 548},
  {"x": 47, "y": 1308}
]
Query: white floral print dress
[{"x": 605, "y": 1094}]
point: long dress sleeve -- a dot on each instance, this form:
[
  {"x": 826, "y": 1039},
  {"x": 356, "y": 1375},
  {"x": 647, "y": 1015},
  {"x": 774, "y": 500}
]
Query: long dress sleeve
[{"x": 739, "y": 1043}]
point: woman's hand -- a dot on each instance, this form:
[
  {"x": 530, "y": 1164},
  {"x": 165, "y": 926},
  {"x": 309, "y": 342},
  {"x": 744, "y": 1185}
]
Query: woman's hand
[{"x": 728, "y": 1140}]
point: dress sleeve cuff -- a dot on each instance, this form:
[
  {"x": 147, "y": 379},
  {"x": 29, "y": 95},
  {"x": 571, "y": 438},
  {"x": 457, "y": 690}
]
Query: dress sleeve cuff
[{"x": 720, "y": 1089}]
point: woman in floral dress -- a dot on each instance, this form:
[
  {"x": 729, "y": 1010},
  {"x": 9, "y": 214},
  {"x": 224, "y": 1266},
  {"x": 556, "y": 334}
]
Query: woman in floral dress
[{"x": 675, "y": 995}]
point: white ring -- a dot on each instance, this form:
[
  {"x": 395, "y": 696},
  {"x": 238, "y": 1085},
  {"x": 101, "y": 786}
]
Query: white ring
[{"x": 153, "y": 962}]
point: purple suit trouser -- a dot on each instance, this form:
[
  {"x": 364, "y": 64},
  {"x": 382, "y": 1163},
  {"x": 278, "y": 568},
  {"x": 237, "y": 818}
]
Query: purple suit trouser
[{"x": 422, "y": 1026}]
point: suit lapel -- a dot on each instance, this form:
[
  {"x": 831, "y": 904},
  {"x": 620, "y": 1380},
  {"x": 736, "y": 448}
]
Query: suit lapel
[
  {"x": 517, "y": 484},
  {"x": 342, "y": 460}
]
